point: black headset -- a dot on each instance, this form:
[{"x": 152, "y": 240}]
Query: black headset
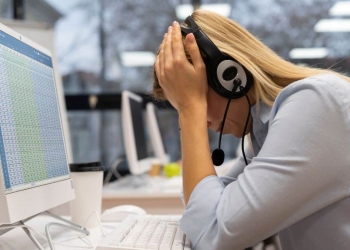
[
  {"x": 225, "y": 76},
  {"x": 222, "y": 70}
]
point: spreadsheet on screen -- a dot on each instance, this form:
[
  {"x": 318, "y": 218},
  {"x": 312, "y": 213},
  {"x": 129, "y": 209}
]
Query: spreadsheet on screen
[{"x": 31, "y": 139}]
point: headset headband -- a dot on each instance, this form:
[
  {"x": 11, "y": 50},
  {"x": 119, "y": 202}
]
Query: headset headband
[
  {"x": 203, "y": 41},
  {"x": 223, "y": 71}
]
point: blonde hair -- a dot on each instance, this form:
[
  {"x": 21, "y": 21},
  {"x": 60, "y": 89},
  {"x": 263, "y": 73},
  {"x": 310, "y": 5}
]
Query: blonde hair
[{"x": 271, "y": 72}]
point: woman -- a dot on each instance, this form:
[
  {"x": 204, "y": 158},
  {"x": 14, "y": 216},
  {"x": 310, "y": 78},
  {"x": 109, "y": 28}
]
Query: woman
[{"x": 297, "y": 181}]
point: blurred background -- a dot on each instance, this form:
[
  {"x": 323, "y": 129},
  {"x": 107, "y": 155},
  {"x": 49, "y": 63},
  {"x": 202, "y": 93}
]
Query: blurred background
[{"x": 105, "y": 46}]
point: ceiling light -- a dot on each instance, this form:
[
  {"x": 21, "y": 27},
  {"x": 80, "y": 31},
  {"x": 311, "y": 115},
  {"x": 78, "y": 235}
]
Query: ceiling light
[
  {"x": 137, "y": 58},
  {"x": 341, "y": 8},
  {"x": 308, "y": 53},
  {"x": 223, "y": 9},
  {"x": 333, "y": 25},
  {"x": 184, "y": 10}
]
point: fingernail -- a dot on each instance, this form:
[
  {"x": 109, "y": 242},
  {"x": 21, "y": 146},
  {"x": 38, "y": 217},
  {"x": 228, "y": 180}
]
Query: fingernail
[
  {"x": 175, "y": 23},
  {"x": 165, "y": 35},
  {"x": 190, "y": 38},
  {"x": 170, "y": 28}
]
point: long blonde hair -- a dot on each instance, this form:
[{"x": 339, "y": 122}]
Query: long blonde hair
[{"x": 271, "y": 72}]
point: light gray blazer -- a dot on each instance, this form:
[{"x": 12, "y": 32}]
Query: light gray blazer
[{"x": 297, "y": 181}]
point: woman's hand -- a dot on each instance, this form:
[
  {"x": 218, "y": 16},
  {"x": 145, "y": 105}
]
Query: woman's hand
[{"x": 184, "y": 85}]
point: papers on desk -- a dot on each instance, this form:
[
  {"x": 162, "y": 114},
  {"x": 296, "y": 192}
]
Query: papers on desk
[{"x": 146, "y": 183}]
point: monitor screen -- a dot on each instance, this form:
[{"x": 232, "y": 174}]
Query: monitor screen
[
  {"x": 139, "y": 129},
  {"x": 134, "y": 134},
  {"x": 156, "y": 137},
  {"x": 161, "y": 131},
  {"x": 32, "y": 147}
]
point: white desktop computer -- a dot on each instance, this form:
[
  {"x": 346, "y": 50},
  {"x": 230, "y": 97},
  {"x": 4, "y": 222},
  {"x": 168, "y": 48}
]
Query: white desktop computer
[
  {"x": 34, "y": 171},
  {"x": 139, "y": 156},
  {"x": 154, "y": 134},
  {"x": 136, "y": 145},
  {"x": 134, "y": 133}
]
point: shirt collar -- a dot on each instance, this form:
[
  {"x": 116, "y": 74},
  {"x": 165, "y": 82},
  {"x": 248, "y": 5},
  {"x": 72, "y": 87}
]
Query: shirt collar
[
  {"x": 263, "y": 114},
  {"x": 260, "y": 126}
]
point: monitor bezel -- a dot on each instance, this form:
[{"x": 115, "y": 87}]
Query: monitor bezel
[
  {"x": 154, "y": 134},
  {"x": 136, "y": 167},
  {"x": 24, "y": 39}
]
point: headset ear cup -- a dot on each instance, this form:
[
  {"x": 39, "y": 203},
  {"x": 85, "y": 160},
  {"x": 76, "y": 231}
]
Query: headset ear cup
[
  {"x": 222, "y": 84},
  {"x": 227, "y": 84},
  {"x": 217, "y": 63}
]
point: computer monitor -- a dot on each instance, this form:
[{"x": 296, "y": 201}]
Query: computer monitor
[
  {"x": 154, "y": 133},
  {"x": 134, "y": 135},
  {"x": 34, "y": 171}
]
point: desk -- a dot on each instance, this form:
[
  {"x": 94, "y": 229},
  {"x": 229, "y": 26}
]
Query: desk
[
  {"x": 17, "y": 239},
  {"x": 162, "y": 196},
  {"x": 153, "y": 203}
]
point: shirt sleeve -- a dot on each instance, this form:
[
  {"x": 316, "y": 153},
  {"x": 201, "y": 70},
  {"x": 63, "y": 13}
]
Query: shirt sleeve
[
  {"x": 239, "y": 165},
  {"x": 300, "y": 169},
  {"x": 232, "y": 173}
]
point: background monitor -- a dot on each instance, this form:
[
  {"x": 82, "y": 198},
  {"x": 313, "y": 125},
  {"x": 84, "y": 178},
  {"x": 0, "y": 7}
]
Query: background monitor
[
  {"x": 154, "y": 133},
  {"x": 34, "y": 171},
  {"x": 134, "y": 134}
]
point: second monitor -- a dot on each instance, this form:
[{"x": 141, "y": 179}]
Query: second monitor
[
  {"x": 155, "y": 135},
  {"x": 134, "y": 135}
]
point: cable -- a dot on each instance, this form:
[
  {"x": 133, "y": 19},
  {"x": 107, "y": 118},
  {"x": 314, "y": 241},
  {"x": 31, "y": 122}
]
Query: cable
[
  {"x": 218, "y": 155},
  {"x": 81, "y": 237},
  {"x": 98, "y": 219},
  {"x": 114, "y": 169},
  {"x": 47, "y": 229},
  {"x": 245, "y": 126},
  {"x": 223, "y": 120},
  {"x": 45, "y": 238}
]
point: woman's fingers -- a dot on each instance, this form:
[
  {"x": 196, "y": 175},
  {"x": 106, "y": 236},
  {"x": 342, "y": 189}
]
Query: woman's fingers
[
  {"x": 160, "y": 59},
  {"x": 167, "y": 56},
  {"x": 175, "y": 72},
  {"x": 193, "y": 50},
  {"x": 179, "y": 56},
  {"x": 167, "y": 52}
]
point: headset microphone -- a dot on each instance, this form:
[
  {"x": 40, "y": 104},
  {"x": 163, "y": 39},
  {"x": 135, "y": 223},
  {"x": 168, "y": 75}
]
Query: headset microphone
[{"x": 218, "y": 155}]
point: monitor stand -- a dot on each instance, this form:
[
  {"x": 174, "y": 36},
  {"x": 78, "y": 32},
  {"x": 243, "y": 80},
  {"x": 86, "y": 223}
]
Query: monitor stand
[{"x": 71, "y": 225}]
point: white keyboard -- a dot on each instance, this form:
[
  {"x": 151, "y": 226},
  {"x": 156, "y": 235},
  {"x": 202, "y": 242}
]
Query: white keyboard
[{"x": 146, "y": 232}]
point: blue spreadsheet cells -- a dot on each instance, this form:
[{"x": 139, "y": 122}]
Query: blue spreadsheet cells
[{"x": 31, "y": 140}]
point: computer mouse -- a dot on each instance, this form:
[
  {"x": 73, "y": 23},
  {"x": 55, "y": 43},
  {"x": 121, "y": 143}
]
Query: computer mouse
[{"x": 119, "y": 213}]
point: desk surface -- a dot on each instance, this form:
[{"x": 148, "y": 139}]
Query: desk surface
[
  {"x": 156, "y": 195},
  {"x": 159, "y": 196},
  {"x": 17, "y": 239}
]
